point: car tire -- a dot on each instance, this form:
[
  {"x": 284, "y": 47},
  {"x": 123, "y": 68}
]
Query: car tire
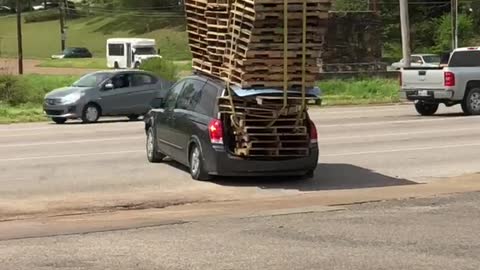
[
  {"x": 59, "y": 120},
  {"x": 471, "y": 102},
  {"x": 310, "y": 174},
  {"x": 426, "y": 109},
  {"x": 197, "y": 168},
  {"x": 90, "y": 114},
  {"x": 116, "y": 66},
  {"x": 153, "y": 155},
  {"x": 137, "y": 65},
  {"x": 133, "y": 117}
]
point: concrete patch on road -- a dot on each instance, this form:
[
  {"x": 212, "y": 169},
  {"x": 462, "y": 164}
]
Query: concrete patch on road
[{"x": 320, "y": 201}]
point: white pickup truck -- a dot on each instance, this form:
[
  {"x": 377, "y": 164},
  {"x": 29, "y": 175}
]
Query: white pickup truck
[{"x": 457, "y": 83}]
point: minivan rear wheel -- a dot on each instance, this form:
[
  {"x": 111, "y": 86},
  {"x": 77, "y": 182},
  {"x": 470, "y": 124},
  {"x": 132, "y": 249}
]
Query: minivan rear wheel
[{"x": 197, "y": 168}]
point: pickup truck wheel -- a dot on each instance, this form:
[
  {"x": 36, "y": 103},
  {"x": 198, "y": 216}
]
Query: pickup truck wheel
[
  {"x": 471, "y": 103},
  {"x": 426, "y": 109}
]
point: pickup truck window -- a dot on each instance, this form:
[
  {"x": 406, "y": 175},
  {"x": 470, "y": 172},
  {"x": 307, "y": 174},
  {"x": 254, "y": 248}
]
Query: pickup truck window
[{"x": 465, "y": 59}]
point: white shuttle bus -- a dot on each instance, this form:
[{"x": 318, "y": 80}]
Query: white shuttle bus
[{"x": 130, "y": 52}]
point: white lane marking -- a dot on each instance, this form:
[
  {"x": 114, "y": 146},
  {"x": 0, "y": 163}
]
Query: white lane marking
[
  {"x": 52, "y": 127},
  {"x": 367, "y": 136},
  {"x": 67, "y": 132},
  {"x": 400, "y": 150},
  {"x": 71, "y": 155},
  {"x": 376, "y": 123},
  {"x": 369, "y": 110},
  {"x": 71, "y": 142}
]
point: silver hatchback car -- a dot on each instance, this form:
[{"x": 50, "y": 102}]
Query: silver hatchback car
[{"x": 104, "y": 93}]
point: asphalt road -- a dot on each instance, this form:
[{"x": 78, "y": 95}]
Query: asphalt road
[
  {"x": 46, "y": 167},
  {"x": 438, "y": 233}
]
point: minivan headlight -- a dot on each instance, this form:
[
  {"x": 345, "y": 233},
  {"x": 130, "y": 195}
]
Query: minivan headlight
[{"x": 71, "y": 98}]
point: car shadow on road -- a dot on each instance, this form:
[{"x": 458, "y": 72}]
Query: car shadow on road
[{"x": 327, "y": 177}]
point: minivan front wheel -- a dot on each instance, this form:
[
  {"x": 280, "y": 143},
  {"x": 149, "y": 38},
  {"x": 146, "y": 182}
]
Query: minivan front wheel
[
  {"x": 153, "y": 155},
  {"x": 197, "y": 169}
]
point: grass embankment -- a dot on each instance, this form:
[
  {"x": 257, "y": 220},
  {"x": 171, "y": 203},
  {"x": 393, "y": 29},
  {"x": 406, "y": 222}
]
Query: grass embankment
[
  {"x": 22, "y": 101},
  {"x": 359, "y": 91},
  {"x": 184, "y": 67},
  {"x": 42, "y": 39},
  {"x": 88, "y": 63}
]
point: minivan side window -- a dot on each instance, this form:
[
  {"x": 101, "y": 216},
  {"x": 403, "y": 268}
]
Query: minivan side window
[
  {"x": 172, "y": 95},
  {"x": 207, "y": 100},
  {"x": 187, "y": 100}
]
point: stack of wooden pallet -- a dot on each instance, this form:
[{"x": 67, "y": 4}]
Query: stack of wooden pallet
[
  {"x": 242, "y": 41},
  {"x": 261, "y": 129}
]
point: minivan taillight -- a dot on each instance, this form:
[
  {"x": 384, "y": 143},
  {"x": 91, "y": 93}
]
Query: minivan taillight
[
  {"x": 313, "y": 133},
  {"x": 215, "y": 130},
  {"x": 449, "y": 79}
]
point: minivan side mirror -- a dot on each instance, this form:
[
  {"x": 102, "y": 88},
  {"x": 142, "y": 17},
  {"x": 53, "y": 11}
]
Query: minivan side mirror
[
  {"x": 108, "y": 86},
  {"x": 157, "y": 103}
]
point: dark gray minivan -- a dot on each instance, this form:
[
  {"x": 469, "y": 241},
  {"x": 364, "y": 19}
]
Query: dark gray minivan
[
  {"x": 104, "y": 93},
  {"x": 184, "y": 124}
]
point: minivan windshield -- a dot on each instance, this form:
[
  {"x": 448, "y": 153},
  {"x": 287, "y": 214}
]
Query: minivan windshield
[
  {"x": 92, "y": 80},
  {"x": 145, "y": 51}
]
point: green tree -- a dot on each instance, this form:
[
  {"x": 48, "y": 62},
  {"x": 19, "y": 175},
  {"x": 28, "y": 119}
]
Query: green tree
[{"x": 443, "y": 34}]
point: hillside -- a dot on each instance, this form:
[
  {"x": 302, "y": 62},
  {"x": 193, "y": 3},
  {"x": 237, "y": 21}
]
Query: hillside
[{"x": 43, "y": 39}]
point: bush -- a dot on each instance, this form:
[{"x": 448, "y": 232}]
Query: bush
[
  {"x": 167, "y": 70},
  {"x": 13, "y": 91},
  {"x": 17, "y": 90}
]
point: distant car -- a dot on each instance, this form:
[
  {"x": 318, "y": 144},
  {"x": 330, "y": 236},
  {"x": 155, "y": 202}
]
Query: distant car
[
  {"x": 104, "y": 93},
  {"x": 76, "y": 52},
  {"x": 6, "y": 10},
  {"x": 419, "y": 60},
  {"x": 184, "y": 124}
]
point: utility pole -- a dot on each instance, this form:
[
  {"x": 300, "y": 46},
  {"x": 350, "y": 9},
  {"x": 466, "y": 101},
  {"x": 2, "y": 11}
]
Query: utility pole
[
  {"x": 454, "y": 8},
  {"x": 375, "y": 6},
  {"x": 62, "y": 24},
  {"x": 19, "y": 37},
  {"x": 405, "y": 27}
]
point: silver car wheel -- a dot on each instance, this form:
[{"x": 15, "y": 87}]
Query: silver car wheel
[
  {"x": 195, "y": 161},
  {"x": 91, "y": 114},
  {"x": 475, "y": 101}
]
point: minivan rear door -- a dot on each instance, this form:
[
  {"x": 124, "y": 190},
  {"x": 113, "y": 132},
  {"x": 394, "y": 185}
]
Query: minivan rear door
[
  {"x": 186, "y": 118},
  {"x": 164, "y": 129}
]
